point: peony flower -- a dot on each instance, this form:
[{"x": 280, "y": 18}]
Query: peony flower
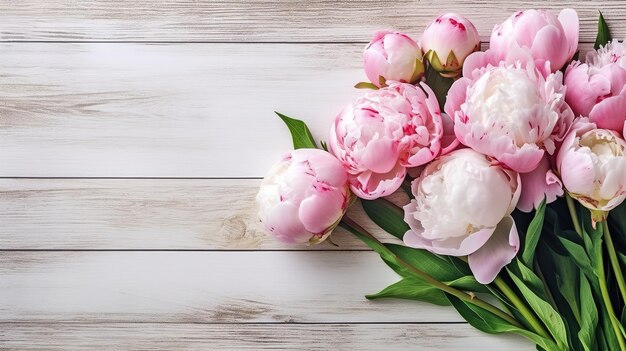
[
  {"x": 385, "y": 132},
  {"x": 462, "y": 207},
  {"x": 592, "y": 164},
  {"x": 509, "y": 111},
  {"x": 393, "y": 56},
  {"x": 303, "y": 197},
  {"x": 447, "y": 41},
  {"x": 547, "y": 37},
  {"x": 597, "y": 88}
]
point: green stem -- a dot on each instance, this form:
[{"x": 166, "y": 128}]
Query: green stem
[
  {"x": 613, "y": 258},
  {"x": 604, "y": 291},
  {"x": 358, "y": 230},
  {"x": 521, "y": 307},
  {"x": 573, "y": 213}
]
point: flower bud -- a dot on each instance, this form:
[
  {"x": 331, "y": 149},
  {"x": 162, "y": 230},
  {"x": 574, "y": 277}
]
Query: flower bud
[
  {"x": 548, "y": 37},
  {"x": 393, "y": 56},
  {"x": 303, "y": 197},
  {"x": 447, "y": 41},
  {"x": 592, "y": 164}
]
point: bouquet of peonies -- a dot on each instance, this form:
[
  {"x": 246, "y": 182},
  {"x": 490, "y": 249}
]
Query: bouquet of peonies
[{"x": 513, "y": 160}]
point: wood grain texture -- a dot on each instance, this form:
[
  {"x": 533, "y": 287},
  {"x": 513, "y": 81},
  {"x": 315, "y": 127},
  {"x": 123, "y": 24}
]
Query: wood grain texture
[
  {"x": 123, "y": 214},
  {"x": 179, "y": 110},
  {"x": 185, "y": 110},
  {"x": 313, "y": 337},
  {"x": 202, "y": 287},
  {"x": 262, "y": 20}
]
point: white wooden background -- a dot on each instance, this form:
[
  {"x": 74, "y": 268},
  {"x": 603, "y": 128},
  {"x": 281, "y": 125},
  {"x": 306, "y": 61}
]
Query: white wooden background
[{"x": 132, "y": 139}]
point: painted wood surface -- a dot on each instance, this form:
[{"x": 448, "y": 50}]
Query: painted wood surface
[
  {"x": 128, "y": 134},
  {"x": 265, "y": 21},
  {"x": 313, "y": 337}
]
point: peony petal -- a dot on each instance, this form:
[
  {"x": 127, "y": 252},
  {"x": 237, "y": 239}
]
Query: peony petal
[
  {"x": 610, "y": 113},
  {"x": 380, "y": 155},
  {"x": 499, "y": 251},
  {"x": 524, "y": 160},
  {"x": 464, "y": 245},
  {"x": 370, "y": 186},
  {"x": 375, "y": 65},
  {"x": 322, "y": 210},
  {"x": 570, "y": 23},
  {"x": 537, "y": 184},
  {"x": 284, "y": 223},
  {"x": 548, "y": 45},
  {"x": 456, "y": 96}
]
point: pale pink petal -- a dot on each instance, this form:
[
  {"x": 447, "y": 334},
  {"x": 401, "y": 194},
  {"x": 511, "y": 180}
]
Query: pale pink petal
[
  {"x": 456, "y": 96},
  {"x": 610, "y": 113},
  {"x": 449, "y": 142},
  {"x": 524, "y": 159},
  {"x": 375, "y": 65},
  {"x": 548, "y": 45},
  {"x": 369, "y": 185},
  {"x": 537, "y": 184},
  {"x": 380, "y": 156},
  {"x": 499, "y": 251},
  {"x": 569, "y": 21},
  {"x": 284, "y": 222},
  {"x": 320, "y": 211}
]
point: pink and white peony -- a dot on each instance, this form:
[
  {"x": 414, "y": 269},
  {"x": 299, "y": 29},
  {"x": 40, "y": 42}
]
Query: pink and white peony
[
  {"x": 597, "y": 88},
  {"x": 447, "y": 41},
  {"x": 303, "y": 197},
  {"x": 462, "y": 207},
  {"x": 385, "y": 132},
  {"x": 509, "y": 111},
  {"x": 592, "y": 164},
  {"x": 393, "y": 56},
  {"x": 546, "y": 36}
]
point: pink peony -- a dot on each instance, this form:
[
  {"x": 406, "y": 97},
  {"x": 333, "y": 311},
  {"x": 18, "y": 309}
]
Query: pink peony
[
  {"x": 462, "y": 207},
  {"x": 304, "y": 196},
  {"x": 597, "y": 88},
  {"x": 592, "y": 164},
  {"x": 509, "y": 111},
  {"x": 547, "y": 37},
  {"x": 447, "y": 41},
  {"x": 393, "y": 56},
  {"x": 385, "y": 132}
]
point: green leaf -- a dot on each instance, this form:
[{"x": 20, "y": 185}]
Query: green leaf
[
  {"x": 577, "y": 253},
  {"x": 387, "y": 216},
  {"x": 412, "y": 289},
  {"x": 300, "y": 133},
  {"x": 533, "y": 233},
  {"x": 437, "y": 267},
  {"x": 550, "y": 317},
  {"x": 488, "y": 322},
  {"x": 440, "y": 85},
  {"x": 365, "y": 85},
  {"x": 531, "y": 279},
  {"x": 604, "y": 35},
  {"x": 468, "y": 283},
  {"x": 589, "y": 316}
]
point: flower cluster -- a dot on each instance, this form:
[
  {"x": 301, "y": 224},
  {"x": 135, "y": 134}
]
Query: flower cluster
[{"x": 478, "y": 139}]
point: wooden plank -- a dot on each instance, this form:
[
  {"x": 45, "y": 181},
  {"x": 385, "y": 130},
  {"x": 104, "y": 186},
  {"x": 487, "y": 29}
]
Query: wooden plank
[
  {"x": 122, "y": 214},
  {"x": 179, "y": 110},
  {"x": 186, "y": 110},
  {"x": 151, "y": 336},
  {"x": 202, "y": 287},
  {"x": 263, "y": 20}
]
